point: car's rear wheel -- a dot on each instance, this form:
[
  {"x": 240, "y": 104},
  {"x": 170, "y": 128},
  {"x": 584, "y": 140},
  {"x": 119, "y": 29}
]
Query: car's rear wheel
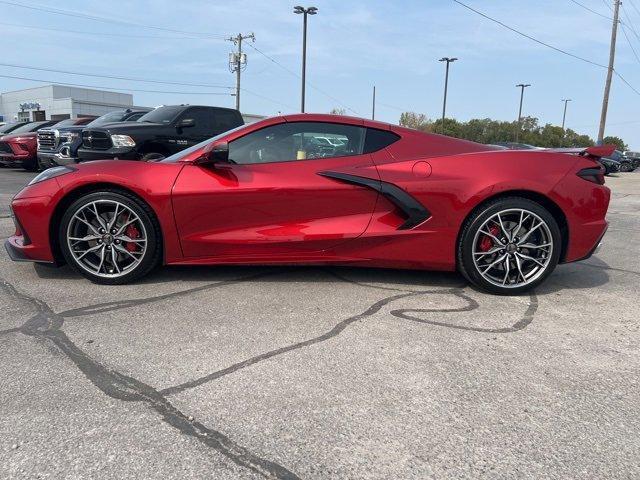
[
  {"x": 509, "y": 245},
  {"x": 110, "y": 237}
]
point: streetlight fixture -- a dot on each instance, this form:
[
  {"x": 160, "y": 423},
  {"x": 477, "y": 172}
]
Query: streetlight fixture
[
  {"x": 304, "y": 11},
  {"x": 564, "y": 115},
  {"x": 446, "y": 83},
  {"x": 522, "y": 86}
]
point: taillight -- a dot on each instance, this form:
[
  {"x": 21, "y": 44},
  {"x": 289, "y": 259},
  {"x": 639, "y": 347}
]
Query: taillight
[{"x": 594, "y": 175}]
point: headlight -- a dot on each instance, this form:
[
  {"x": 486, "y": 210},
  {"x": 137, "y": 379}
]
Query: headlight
[
  {"x": 122, "y": 141},
  {"x": 69, "y": 137},
  {"x": 51, "y": 173}
]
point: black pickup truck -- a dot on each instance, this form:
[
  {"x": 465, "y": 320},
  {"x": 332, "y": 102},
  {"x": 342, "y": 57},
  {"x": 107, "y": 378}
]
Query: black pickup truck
[
  {"x": 59, "y": 145},
  {"x": 157, "y": 134}
]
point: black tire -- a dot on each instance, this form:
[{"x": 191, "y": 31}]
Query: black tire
[
  {"x": 30, "y": 165},
  {"x": 152, "y": 157},
  {"x": 474, "y": 222},
  {"x": 152, "y": 255}
]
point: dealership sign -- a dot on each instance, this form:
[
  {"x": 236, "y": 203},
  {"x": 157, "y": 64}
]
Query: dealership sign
[{"x": 29, "y": 106}]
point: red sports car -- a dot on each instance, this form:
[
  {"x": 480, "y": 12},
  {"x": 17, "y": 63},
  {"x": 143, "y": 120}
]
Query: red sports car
[{"x": 321, "y": 189}]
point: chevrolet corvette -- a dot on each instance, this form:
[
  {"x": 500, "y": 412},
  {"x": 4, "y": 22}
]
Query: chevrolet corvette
[{"x": 321, "y": 189}]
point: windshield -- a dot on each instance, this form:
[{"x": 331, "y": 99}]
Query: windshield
[
  {"x": 29, "y": 127},
  {"x": 107, "y": 118},
  {"x": 64, "y": 123},
  {"x": 162, "y": 114},
  {"x": 7, "y": 127},
  {"x": 177, "y": 156}
]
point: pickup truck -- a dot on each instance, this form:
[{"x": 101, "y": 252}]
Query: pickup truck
[
  {"x": 157, "y": 134},
  {"x": 59, "y": 145}
]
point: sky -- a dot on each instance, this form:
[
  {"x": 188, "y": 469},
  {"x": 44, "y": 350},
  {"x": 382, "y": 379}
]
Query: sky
[{"x": 352, "y": 46}]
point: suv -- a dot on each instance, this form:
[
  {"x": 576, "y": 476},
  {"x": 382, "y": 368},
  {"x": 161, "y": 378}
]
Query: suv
[
  {"x": 59, "y": 146},
  {"x": 18, "y": 148},
  {"x": 157, "y": 134}
]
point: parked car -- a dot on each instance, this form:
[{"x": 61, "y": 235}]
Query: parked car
[
  {"x": 626, "y": 165},
  {"x": 10, "y": 127},
  {"x": 59, "y": 145},
  {"x": 18, "y": 148},
  {"x": 267, "y": 193},
  {"x": 610, "y": 165},
  {"x": 634, "y": 157},
  {"x": 157, "y": 134}
]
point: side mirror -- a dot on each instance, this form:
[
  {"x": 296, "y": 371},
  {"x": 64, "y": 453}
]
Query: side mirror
[
  {"x": 219, "y": 153},
  {"x": 186, "y": 123}
]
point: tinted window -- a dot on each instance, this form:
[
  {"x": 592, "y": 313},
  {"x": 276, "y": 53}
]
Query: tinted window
[
  {"x": 135, "y": 116},
  {"x": 286, "y": 142},
  {"x": 7, "y": 127},
  {"x": 31, "y": 127},
  {"x": 226, "y": 120},
  {"x": 203, "y": 118},
  {"x": 378, "y": 139},
  {"x": 162, "y": 114}
]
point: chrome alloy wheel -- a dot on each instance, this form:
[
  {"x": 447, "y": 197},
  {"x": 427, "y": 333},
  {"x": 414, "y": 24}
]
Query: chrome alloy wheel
[
  {"x": 512, "y": 248},
  {"x": 106, "y": 238}
]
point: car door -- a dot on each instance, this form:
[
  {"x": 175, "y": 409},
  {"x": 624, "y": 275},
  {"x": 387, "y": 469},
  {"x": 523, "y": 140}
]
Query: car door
[
  {"x": 273, "y": 197},
  {"x": 184, "y": 137}
]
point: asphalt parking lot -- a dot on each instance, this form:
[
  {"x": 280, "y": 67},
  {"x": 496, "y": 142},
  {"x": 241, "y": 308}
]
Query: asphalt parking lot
[{"x": 322, "y": 372}]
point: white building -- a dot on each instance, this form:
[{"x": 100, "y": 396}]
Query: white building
[{"x": 57, "y": 102}]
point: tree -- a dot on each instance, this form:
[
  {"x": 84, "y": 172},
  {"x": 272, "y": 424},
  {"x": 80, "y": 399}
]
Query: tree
[
  {"x": 338, "y": 111},
  {"x": 419, "y": 121},
  {"x": 617, "y": 141}
]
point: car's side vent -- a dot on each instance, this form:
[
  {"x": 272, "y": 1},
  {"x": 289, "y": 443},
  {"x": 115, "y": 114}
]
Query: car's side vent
[{"x": 594, "y": 175}]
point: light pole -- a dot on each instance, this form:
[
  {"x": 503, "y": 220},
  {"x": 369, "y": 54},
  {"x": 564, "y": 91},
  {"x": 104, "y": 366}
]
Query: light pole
[
  {"x": 564, "y": 115},
  {"x": 522, "y": 86},
  {"x": 305, "y": 12},
  {"x": 446, "y": 84}
]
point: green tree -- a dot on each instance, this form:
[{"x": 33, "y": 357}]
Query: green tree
[
  {"x": 617, "y": 141},
  {"x": 338, "y": 111},
  {"x": 418, "y": 121}
]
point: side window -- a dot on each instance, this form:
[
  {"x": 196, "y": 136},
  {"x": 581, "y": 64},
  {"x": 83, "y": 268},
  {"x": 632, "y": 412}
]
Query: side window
[
  {"x": 135, "y": 116},
  {"x": 287, "y": 142},
  {"x": 378, "y": 139},
  {"x": 226, "y": 120},
  {"x": 203, "y": 119}
]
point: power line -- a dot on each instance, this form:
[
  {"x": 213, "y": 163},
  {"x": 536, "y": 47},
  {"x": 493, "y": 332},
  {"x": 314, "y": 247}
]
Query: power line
[
  {"x": 110, "y": 88},
  {"x": 591, "y": 10},
  {"x": 115, "y": 77},
  {"x": 634, "y": 6},
  {"x": 92, "y": 34},
  {"x": 298, "y": 76},
  {"x": 577, "y": 57},
  {"x": 625, "y": 81},
  {"x": 624, "y": 32},
  {"x": 57, "y": 11},
  {"x": 635, "y": 32}
]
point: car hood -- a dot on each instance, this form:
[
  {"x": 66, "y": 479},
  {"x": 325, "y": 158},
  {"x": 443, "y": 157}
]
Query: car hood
[{"x": 71, "y": 128}]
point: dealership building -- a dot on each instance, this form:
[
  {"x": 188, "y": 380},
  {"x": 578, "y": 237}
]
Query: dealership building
[{"x": 58, "y": 102}]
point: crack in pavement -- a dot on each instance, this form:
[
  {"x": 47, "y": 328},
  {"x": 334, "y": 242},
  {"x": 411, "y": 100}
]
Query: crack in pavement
[{"x": 47, "y": 325}]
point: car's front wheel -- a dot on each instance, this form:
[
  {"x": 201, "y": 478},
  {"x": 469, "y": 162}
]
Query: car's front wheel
[
  {"x": 110, "y": 237},
  {"x": 509, "y": 246}
]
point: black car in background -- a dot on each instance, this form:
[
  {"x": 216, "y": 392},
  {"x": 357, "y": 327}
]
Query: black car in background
[
  {"x": 59, "y": 145},
  {"x": 157, "y": 134},
  {"x": 626, "y": 165},
  {"x": 610, "y": 165},
  {"x": 634, "y": 157},
  {"x": 10, "y": 127}
]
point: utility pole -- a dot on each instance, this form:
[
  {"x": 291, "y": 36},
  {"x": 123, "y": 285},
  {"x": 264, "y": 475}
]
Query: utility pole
[
  {"x": 446, "y": 84},
  {"x": 373, "y": 109},
  {"x": 522, "y": 86},
  {"x": 304, "y": 12},
  {"x": 607, "y": 85},
  {"x": 238, "y": 61},
  {"x": 564, "y": 115}
]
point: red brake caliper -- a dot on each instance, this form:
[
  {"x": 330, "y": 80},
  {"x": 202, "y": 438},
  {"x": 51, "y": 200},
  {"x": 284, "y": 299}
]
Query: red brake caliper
[
  {"x": 486, "y": 242},
  {"x": 132, "y": 232}
]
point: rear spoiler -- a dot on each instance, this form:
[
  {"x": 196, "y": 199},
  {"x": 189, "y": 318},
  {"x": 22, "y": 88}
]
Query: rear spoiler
[{"x": 597, "y": 151}]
